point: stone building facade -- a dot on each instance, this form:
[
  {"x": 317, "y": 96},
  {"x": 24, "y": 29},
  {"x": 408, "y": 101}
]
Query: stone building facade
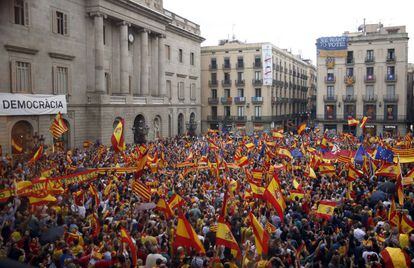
[{"x": 111, "y": 58}]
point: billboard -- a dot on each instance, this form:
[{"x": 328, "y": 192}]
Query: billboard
[
  {"x": 333, "y": 46},
  {"x": 267, "y": 64}
]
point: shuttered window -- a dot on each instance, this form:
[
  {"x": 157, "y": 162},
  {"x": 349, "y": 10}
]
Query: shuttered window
[{"x": 21, "y": 76}]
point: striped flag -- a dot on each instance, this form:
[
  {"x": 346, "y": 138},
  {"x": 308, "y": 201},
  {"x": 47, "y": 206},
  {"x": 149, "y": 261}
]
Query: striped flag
[
  {"x": 126, "y": 238},
  {"x": 36, "y": 155},
  {"x": 58, "y": 127},
  {"x": 363, "y": 122},
  {"x": 16, "y": 148},
  {"x": 352, "y": 122},
  {"x": 117, "y": 139},
  {"x": 301, "y": 128},
  {"x": 261, "y": 236},
  {"x": 225, "y": 238},
  {"x": 326, "y": 209},
  {"x": 395, "y": 257},
  {"x": 185, "y": 236},
  {"x": 141, "y": 190}
]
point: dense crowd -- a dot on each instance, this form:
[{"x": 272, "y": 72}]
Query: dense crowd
[{"x": 70, "y": 232}]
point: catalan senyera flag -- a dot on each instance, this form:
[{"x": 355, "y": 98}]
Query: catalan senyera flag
[
  {"x": 363, "y": 122},
  {"x": 274, "y": 196},
  {"x": 176, "y": 201},
  {"x": 406, "y": 225},
  {"x": 185, "y": 236},
  {"x": 395, "y": 258},
  {"x": 224, "y": 237},
  {"x": 37, "y": 155},
  {"x": 325, "y": 209},
  {"x": 16, "y": 148},
  {"x": 352, "y": 122},
  {"x": 58, "y": 127},
  {"x": 117, "y": 138},
  {"x": 163, "y": 206},
  {"x": 301, "y": 128},
  {"x": 141, "y": 190},
  {"x": 126, "y": 238},
  {"x": 312, "y": 173},
  {"x": 261, "y": 236},
  {"x": 353, "y": 173}
]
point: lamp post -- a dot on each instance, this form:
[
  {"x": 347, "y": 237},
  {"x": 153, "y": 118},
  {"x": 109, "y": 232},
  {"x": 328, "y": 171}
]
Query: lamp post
[{"x": 191, "y": 127}]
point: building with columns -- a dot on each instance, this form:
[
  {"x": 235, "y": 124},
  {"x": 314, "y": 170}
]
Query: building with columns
[
  {"x": 367, "y": 76},
  {"x": 112, "y": 59},
  {"x": 253, "y": 86}
]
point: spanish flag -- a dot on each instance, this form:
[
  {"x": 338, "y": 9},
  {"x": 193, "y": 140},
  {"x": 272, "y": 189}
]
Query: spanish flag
[
  {"x": 185, "y": 236},
  {"x": 58, "y": 127},
  {"x": 176, "y": 201},
  {"x": 393, "y": 216},
  {"x": 352, "y": 122},
  {"x": 270, "y": 228},
  {"x": 297, "y": 185},
  {"x": 327, "y": 169},
  {"x": 163, "y": 206},
  {"x": 37, "y": 155},
  {"x": 296, "y": 193},
  {"x": 285, "y": 153},
  {"x": 261, "y": 236},
  {"x": 96, "y": 225},
  {"x": 126, "y": 238},
  {"x": 95, "y": 194},
  {"x": 249, "y": 145},
  {"x": 408, "y": 179},
  {"x": 35, "y": 200},
  {"x": 406, "y": 225},
  {"x": 301, "y": 128},
  {"x": 274, "y": 196},
  {"x": 363, "y": 122},
  {"x": 257, "y": 191},
  {"x": 225, "y": 238},
  {"x": 395, "y": 258},
  {"x": 325, "y": 209},
  {"x": 243, "y": 161},
  {"x": 388, "y": 170},
  {"x": 353, "y": 173},
  {"x": 117, "y": 138},
  {"x": 16, "y": 148}
]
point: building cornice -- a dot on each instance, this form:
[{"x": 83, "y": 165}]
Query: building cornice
[
  {"x": 184, "y": 33},
  {"x": 61, "y": 56},
  {"x": 19, "y": 49}
]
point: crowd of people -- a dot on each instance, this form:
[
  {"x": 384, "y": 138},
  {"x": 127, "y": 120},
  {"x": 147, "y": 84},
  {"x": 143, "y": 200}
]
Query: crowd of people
[{"x": 206, "y": 171}]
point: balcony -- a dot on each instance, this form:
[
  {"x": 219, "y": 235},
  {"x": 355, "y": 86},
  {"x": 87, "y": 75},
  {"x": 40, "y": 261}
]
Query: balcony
[
  {"x": 394, "y": 118},
  {"x": 239, "y": 83},
  {"x": 370, "y": 98},
  {"x": 213, "y": 101},
  {"x": 240, "y": 118},
  {"x": 369, "y": 78},
  {"x": 391, "y": 78},
  {"x": 261, "y": 119},
  {"x": 391, "y": 59},
  {"x": 226, "y": 100},
  {"x": 257, "y": 82},
  {"x": 349, "y": 98},
  {"x": 228, "y": 118},
  {"x": 240, "y": 100},
  {"x": 226, "y": 83},
  {"x": 330, "y": 79},
  {"x": 240, "y": 65},
  {"x": 257, "y": 100},
  {"x": 370, "y": 60},
  {"x": 226, "y": 66},
  {"x": 213, "y": 83},
  {"x": 331, "y": 116},
  {"x": 330, "y": 98},
  {"x": 390, "y": 98},
  {"x": 257, "y": 64},
  {"x": 350, "y": 61},
  {"x": 349, "y": 80},
  {"x": 212, "y": 67},
  {"x": 212, "y": 118}
]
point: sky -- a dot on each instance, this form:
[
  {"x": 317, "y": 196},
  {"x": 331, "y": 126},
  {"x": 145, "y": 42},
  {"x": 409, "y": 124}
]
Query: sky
[{"x": 293, "y": 25}]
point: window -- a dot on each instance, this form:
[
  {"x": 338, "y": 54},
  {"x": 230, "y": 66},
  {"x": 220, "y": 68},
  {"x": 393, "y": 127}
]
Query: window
[
  {"x": 130, "y": 83},
  {"x": 330, "y": 77},
  {"x": 391, "y": 91},
  {"x": 390, "y": 72},
  {"x": 349, "y": 72},
  {"x": 168, "y": 52},
  {"x": 214, "y": 111},
  {"x": 349, "y": 110},
  {"x": 107, "y": 83},
  {"x": 213, "y": 77},
  {"x": 349, "y": 91},
  {"x": 330, "y": 111},
  {"x": 168, "y": 86},
  {"x": 240, "y": 110},
  {"x": 192, "y": 91},
  {"x": 180, "y": 55},
  {"x": 21, "y": 74},
  {"x": 180, "y": 90},
  {"x": 391, "y": 112},
  {"x": 257, "y": 111},
  {"x": 370, "y": 55},
  {"x": 227, "y": 93},
  {"x": 240, "y": 76},
  {"x": 370, "y": 72},
  {"x": 60, "y": 80},
  {"x": 227, "y": 111},
  {"x": 21, "y": 12},
  {"x": 192, "y": 58},
  {"x": 61, "y": 23},
  {"x": 350, "y": 57},
  {"x": 370, "y": 92},
  {"x": 370, "y": 111},
  {"x": 330, "y": 91},
  {"x": 257, "y": 92},
  {"x": 213, "y": 63},
  {"x": 257, "y": 61},
  {"x": 226, "y": 62},
  {"x": 104, "y": 34},
  {"x": 257, "y": 75},
  {"x": 240, "y": 62},
  {"x": 226, "y": 76},
  {"x": 391, "y": 54},
  {"x": 214, "y": 93},
  {"x": 240, "y": 92}
]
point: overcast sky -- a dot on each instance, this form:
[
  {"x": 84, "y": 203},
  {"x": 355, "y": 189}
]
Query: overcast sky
[{"x": 291, "y": 24}]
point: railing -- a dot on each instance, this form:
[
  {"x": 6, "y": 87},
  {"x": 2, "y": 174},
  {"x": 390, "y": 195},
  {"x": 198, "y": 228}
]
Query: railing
[
  {"x": 257, "y": 64},
  {"x": 214, "y": 118},
  {"x": 228, "y": 118},
  {"x": 370, "y": 59},
  {"x": 212, "y": 66},
  {"x": 349, "y": 79},
  {"x": 330, "y": 116},
  {"x": 226, "y": 100},
  {"x": 349, "y": 98},
  {"x": 226, "y": 66},
  {"x": 257, "y": 100},
  {"x": 262, "y": 118},
  {"x": 239, "y": 83},
  {"x": 213, "y": 100},
  {"x": 226, "y": 83},
  {"x": 213, "y": 83},
  {"x": 390, "y": 59},
  {"x": 239, "y": 100},
  {"x": 390, "y": 78},
  {"x": 349, "y": 61},
  {"x": 240, "y": 118},
  {"x": 257, "y": 82},
  {"x": 330, "y": 79},
  {"x": 369, "y": 98},
  {"x": 369, "y": 78},
  {"x": 330, "y": 98},
  {"x": 390, "y": 98},
  {"x": 240, "y": 65}
]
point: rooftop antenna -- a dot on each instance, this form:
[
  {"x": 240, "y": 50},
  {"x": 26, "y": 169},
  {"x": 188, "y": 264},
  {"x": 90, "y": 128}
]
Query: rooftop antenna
[{"x": 232, "y": 30}]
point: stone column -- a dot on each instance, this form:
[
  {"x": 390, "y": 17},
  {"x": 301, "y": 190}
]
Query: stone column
[
  {"x": 154, "y": 63},
  {"x": 144, "y": 63},
  {"x": 162, "y": 90},
  {"x": 123, "y": 29},
  {"x": 99, "y": 54}
]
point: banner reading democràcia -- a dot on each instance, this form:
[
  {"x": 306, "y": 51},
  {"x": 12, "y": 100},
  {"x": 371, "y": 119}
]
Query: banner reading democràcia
[
  {"x": 333, "y": 46},
  {"x": 32, "y": 104}
]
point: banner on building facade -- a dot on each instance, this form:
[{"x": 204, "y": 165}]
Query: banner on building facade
[
  {"x": 32, "y": 104},
  {"x": 267, "y": 64},
  {"x": 333, "y": 46}
]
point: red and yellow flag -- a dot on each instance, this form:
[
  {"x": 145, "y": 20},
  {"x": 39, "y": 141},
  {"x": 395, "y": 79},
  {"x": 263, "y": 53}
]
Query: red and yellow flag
[
  {"x": 176, "y": 201},
  {"x": 270, "y": 227},
  {"x": 352, "y": 122},
  {"x": 388, "y": 170},
  {"x": 225, "y": 238},
  {"x": 325, "y": 209},
  {"x": 117, "y": 138},
  {"x": 274, "y": 196},
  {"x": 257, "y": 191},
  {"x": 297, "y": 193},
  {"x": 16, "y": 148},
  {"x": 301, "y": 128},
  {"x": 406, "y": 225},
  {"x": 353, "y": 173},
  {"x": 58, "y": 127},
  {"x": 37, "y": 155},
  {"x": 327, "y": 169},
  {"x": 126, "y": 238},
  {"x": 141, "y": 190},
  {"x": 285, "y": 153},
  {"x": 163, "y": 206},
  {"x": 35, "y": 200},
  {"x": 185, "y": 236},
  {"x": 395, "y": 258},
  {"x": 261, "y": 236},
  {"x": 363, "y": 122}
]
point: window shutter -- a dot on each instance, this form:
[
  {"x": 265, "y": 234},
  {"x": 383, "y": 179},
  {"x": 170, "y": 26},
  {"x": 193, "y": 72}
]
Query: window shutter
[
  {"x": 54, "y": 21},
  {"x": 13, "y": 76},
  {"x": 65, "y": 24},
  {"x": 26, "y": 13}
]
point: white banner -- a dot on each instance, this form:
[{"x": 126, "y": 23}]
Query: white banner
[
  {"x": 267, "y": 64},
  {"x": 32, "y": 104}
]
